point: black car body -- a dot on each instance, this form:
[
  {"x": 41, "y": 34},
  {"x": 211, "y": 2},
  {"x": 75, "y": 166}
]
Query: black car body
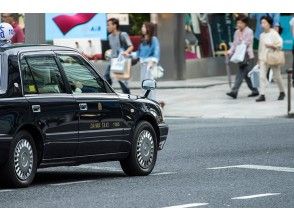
[{"x": 55, "y": 109}]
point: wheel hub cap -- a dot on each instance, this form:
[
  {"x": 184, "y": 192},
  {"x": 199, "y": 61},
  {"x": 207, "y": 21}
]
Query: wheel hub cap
[
  {"x": 23, "y": 159},
  {"x": 145, "y": 149}
]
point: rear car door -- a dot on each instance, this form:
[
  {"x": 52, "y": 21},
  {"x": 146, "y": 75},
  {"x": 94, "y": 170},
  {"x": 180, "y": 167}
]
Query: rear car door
[
  {"x": 101, "y": 127},
  {"x": 54, "y": 109}
]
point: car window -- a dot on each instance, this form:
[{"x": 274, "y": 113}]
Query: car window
[
  {"x": 81, "y": 76},
  {"x": 41, "y": 75}
]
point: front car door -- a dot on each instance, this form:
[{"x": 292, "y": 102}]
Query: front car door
[
  {"x": 101, "y": 127},
  {"x": 53, "y": 107}
]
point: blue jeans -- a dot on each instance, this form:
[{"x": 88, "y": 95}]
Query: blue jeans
[{"x": 123, "y": 86}]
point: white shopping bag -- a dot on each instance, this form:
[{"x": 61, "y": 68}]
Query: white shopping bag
[
  {"x": 239, "y": 54},
  {"x": 119, "y": 64},
  {"x": 157, "y": 71},
  {"x": 254, "y": 76}
]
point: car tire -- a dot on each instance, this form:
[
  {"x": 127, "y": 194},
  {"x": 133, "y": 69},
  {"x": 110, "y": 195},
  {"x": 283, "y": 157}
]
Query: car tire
[
  {"x": 142, "y": 157},
  {"x": 21, "y": 167}
]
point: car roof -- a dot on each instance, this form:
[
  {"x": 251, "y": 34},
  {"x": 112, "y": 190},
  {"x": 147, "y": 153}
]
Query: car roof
[{"x": 14, "y": 49}]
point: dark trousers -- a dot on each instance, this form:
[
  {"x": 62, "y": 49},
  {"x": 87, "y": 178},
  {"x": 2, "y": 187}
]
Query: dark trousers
[
  {"x": 123, "y": 86},
  {"x": 242, "y": 74},
  {"x": 293, "y": 63}
]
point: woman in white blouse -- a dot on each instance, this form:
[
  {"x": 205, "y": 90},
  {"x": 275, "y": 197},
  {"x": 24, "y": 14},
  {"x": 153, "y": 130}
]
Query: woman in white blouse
[{"x": 269, "y": 40}]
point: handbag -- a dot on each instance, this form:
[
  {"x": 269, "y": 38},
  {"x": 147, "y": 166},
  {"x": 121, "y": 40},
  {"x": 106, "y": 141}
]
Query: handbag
[
  {"x": 118, "y": 65},
  {"x": 157, "y": 71},
  {"x": 239, "y": 54},
  {"x": 120, "y": 70},
  {"x": 275, "y": 57}
]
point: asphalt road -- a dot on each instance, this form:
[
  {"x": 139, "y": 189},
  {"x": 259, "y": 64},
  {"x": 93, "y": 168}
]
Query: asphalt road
[{"x": 252, "y": 165}]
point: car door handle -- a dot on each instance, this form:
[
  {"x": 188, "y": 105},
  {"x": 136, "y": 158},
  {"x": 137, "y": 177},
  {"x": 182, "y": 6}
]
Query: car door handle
[
  {"x": 83, "y": 106},
  {"x": 36, "y": 108}
]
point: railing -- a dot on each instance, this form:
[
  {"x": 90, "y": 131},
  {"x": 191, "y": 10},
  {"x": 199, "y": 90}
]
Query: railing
[{"x": 290, "y": 73}]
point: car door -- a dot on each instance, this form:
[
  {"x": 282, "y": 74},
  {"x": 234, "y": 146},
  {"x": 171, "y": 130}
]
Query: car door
[
  {"x": 54, "y": 108},
  {"x": 101, "y": 127}
]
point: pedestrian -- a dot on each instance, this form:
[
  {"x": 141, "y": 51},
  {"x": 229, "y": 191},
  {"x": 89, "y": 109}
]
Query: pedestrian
[
  {"x": 243, "y": 34},
  {"x": 258, "y": 29},
  {"x": 78, "y": 47},
  {"x": 149, "y": 54},
  {"x": 292, "y": 30},
  {"x": 12, "y": 19},
  {"x": 119, "y": 43},
  {"x": 270, "y": 40},
  {"x": 90, "y": 51}
]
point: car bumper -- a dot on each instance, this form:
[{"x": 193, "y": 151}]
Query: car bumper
[
  {"x": 5, "y": 142},
  {"x": 163, "y": 130}
]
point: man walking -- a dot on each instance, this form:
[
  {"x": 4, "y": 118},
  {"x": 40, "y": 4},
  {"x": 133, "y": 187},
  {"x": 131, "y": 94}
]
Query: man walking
[{"x": 119, "y": 42}]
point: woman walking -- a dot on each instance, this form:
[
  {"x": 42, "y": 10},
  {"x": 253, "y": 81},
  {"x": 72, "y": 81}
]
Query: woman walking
[
  {"x": 243, "y": 34},
  {"x": 148, "y": 53},
  {"x": 270, "y": 41}
]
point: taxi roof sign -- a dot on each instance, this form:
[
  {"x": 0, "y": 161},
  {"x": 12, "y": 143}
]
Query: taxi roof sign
[{"x": 6, "y": 32}]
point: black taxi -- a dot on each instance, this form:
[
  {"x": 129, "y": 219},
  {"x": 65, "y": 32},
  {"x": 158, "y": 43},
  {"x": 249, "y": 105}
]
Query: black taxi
[{"x": 56, "y": 110}]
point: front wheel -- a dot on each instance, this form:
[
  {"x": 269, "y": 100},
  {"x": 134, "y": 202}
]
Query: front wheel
[
  {"x": 21, "y": 167},
  {"x": 143, "y": 155}
]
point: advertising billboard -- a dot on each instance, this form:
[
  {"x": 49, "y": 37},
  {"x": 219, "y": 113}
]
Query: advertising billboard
[{"x": 79, "y": 25}]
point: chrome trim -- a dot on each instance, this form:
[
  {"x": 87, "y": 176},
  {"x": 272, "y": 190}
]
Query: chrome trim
[
  {"x": 62, "y": 133},
  {"x": 90, "y": 155},
  {"x": 48, "y": 95},
  {"x": 101, "y": 130},
  {"x": 6, "y": 138},
  {"x": 36, "y": 108},
  {"x": 83, "y": 106}
]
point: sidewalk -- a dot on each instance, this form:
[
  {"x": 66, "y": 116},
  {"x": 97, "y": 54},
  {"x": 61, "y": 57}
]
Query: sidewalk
[{"x": 206, "y": 98}]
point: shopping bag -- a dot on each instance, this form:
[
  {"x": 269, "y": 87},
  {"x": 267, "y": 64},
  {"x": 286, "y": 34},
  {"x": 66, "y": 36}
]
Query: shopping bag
[
  {"x": 157, "y": 71},
  {"x": 119, "y": 64},
  {"x": 254, "y": 76},
  {"x": 275, "y": 57},
  {"x": 122, "y": 75},
  {"x": 239, "y": 54}
]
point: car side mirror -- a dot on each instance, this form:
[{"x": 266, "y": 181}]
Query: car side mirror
[{"x": 148, "y": 85}]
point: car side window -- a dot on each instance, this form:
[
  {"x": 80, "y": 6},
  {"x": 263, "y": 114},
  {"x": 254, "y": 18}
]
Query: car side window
[
  {"x": 81, "y": 77},
  {"x": 41, "y": 75}
]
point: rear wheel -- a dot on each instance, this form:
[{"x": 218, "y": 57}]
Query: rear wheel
[
  {"x": 143, "y": 155},
  {"x": 21, "y": 167}
]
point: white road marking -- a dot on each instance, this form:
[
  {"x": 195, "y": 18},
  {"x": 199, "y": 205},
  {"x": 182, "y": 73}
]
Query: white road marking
[
  {"x": 257, "y": 167},
  {"x": 256, "y": 196},
  {"x": 176, "y": 118},
  {"x": 6, "y": 190},
  {"x": 162, "y": 173},
  {"x": 70, "y": 183},
  {"x": 190, "y": 205}
]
